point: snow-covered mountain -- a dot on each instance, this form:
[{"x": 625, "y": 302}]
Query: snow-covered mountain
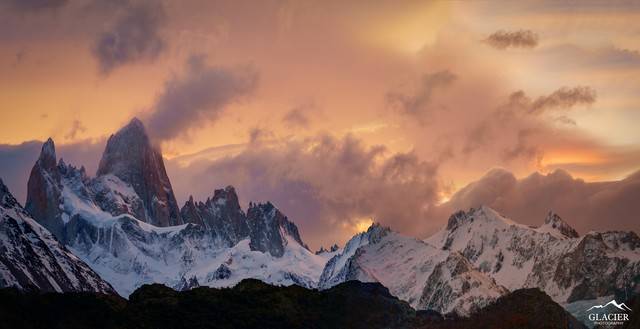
[
  {"x": 31, "y": 258},
  {"x": 480, "y": 255},
  {"x": 551, "y": 257},
  {"x": 218, "y": 244},
  {"x": 424, "y": 276}
]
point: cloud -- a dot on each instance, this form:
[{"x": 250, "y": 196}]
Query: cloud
[
  {"x": 134, "y": 37},
  {"x": 513, "y": 39},
  {"x": 299, "y": 115},
  {"x": 564, "y": 98},
  {"x": 26, "y": 6},
  {"x": 597, "y": 206},
  {"x": 519, "y": 122},
  {"x": 325, "y": 184},
  {"x": 76, "y": 127},
  {"x": 259, "y": 135},
  {"x": 198, "y": 97},
  {"x": 416, "y": 103},
  {"x": 606, "y": 58}
]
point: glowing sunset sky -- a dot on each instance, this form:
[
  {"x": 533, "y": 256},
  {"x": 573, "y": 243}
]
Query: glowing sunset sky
[{"x": 337, "y": 111}]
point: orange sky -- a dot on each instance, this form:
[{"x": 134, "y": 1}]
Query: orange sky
[{"x": 337, "y": 65}]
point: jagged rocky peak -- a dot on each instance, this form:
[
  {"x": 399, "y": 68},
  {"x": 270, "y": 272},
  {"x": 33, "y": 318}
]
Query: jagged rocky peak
[
  {"x": 6, "y": 198},
  {"x": 190, "y": 212},
  {"x": 221, "y": 215},
  {"x": 321, "y": 250},
  {"x": 189, "y": 284},
  {"x": 483, "y": 214},
  {"x": 331, "y": 249},
  {"x": 47, "y": 158},
  {"x": 555, "y": 223},
  {"x": 130, "y": 156},
  {"x": 376, "y": 232},
  {"x": 44, "y": 190},
  {"x": 266, "y": 227},
  {"x": 226, "y": 197},
  {"x": 457, "y": 219},
  {"x": 270, "y": 228}
]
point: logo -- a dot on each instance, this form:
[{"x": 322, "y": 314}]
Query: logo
[{"x": 609, "y": 314}]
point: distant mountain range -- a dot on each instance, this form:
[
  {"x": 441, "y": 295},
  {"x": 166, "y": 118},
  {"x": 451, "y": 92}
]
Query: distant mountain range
[{"x": 123, "y": 228}]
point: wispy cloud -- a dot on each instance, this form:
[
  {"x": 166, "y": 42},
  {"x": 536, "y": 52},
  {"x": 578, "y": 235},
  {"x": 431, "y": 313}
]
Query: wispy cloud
[
  {"x": 198, "y": 97},
  {"x": 513, "y": 39},
  {"x": 416, "y": 102}
]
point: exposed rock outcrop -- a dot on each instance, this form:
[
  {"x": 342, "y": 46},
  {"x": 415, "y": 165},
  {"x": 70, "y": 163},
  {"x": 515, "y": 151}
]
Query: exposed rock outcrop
[{"x": 130, "y": 156}]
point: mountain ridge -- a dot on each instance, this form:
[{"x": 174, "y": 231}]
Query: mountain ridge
[
  {"x": 106, "y": 221},
  {"x": 32, "y": 258}
]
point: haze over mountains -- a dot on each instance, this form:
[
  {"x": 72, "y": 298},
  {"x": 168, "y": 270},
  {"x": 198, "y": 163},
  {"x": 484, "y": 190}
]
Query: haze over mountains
[{"x": 124, "y": 226}]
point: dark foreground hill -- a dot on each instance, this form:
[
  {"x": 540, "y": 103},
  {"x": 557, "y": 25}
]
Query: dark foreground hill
[{"x": 253, "y": 304}]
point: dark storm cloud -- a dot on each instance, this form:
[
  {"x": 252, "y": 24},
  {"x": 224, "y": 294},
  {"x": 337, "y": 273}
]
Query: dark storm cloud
[
  {"x": 416, "y": 103},
  {"x": 134, "y": 37},
  {"x": 198, "y": 97},
  {"x": 324, "y": 184},
  {"x": 513, "y": 39},
  {"x": 26, "y": 6},
  {"x": 16, "y": 161},
  {"x": 586, "y": 206}
]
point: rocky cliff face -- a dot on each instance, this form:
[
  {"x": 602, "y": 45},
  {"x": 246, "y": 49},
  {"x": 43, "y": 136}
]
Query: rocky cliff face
[
  {"x": 32, "y": 259},
  {"x": 220, "y": 214},
  {"x": 130, "y": 156},
  {"x": 44, "y": 190},
  {"x": 267, "y": 229},
  {"x": 131, "y": 180},
  {"x": 270, "y": 229}
]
